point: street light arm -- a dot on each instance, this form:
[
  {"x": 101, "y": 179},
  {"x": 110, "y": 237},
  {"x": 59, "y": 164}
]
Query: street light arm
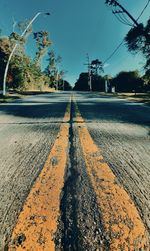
[{"x": 33, "y": 19}]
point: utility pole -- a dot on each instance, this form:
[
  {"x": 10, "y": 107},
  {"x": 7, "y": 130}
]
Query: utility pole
[
  {"x": 127, "y": 13},
  {"x": 57, "y": 80},
  {"x": 106, "y": 85},
  {"x": 115, "y": 3},
  {"x": 63, "y": 80},
  {"x": 63, "y": 84},
  {"x": 89, "y": 72}
]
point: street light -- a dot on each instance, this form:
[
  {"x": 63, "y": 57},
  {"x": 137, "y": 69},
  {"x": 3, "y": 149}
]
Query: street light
[{"x": 14, "y": 48}]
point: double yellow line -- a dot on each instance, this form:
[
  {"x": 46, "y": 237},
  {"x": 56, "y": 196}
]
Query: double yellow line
[{"x": 38, "y": 220}]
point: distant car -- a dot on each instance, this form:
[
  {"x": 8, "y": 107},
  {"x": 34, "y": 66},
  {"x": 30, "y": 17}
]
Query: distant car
[{"x": 1, "y": 92}]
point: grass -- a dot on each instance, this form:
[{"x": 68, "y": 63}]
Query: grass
[
  {"x": 13, "y": 95},
  {"x": 138, "y": 97},
  {"x": 135, "y": 97},
  {"x": 8, "y": 98}
]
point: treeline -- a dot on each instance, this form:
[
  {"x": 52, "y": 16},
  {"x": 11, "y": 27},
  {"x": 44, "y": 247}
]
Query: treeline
[
  {"x": 125, "y": 81},
  {"x": 24, "y": 72}
]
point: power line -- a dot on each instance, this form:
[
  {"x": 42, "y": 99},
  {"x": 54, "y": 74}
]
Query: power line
[
  {"x": 126, "y": 19},
  {"x": 119, "y": 14},
  {"x": 143, "y": 10},
  {"x": 120, "y": 19},
  {"x": 114, "y": 52}
]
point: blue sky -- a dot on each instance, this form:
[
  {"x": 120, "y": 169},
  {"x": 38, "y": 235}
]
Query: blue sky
[{"x": 77, "y": 27}]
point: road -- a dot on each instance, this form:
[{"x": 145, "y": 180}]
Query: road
[{"x": 74, "y": 173}]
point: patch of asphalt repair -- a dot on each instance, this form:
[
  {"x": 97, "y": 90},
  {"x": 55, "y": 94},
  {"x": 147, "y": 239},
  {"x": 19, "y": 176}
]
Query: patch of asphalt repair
[{"x": 80, "y": 226}]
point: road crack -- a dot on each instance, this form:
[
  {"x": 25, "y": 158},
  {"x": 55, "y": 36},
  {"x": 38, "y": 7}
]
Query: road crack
[
  {"x": 67, "y": 237},
  {"x": 80, "y": 227}
]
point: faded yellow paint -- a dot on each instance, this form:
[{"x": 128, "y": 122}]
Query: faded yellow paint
[
  {"x": 37, "y": 222},
  {"x": 122, "y": 223}
]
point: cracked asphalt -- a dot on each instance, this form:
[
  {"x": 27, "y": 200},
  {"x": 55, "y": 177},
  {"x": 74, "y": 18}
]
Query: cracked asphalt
[{"x": 28, "y": 131}]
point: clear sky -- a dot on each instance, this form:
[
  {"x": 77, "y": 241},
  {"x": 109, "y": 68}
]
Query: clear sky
[{"x": 77, "y": 27}]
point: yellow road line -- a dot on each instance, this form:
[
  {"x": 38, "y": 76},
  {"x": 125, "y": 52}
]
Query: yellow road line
[
  {"x": 37, "y": 222},
  {"x": 121, "y": 220}
]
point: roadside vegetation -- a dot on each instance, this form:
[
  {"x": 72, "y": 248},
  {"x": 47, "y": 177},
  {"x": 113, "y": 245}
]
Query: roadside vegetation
[
  {"x": 125, "y": 81},
  {"x": 26, "y": 73}
]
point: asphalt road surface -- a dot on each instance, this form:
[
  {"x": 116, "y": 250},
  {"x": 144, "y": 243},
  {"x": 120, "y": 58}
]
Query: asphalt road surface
[{"x": 74, "y": 173}]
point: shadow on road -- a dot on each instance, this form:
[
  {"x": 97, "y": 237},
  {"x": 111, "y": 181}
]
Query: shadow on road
[
  {"x": 37, "y": 107},
  {"x": 113, "y": 110}
]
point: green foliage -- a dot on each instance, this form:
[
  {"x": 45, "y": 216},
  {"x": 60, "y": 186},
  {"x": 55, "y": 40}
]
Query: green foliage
[
  {"x": 146, "y": 79},
  {"x": 64, "y": 85},
  {"x": 24, "y": 72},
  {"x": 67, "y": 86},
  {"x": 98, "y": 83},
  {"x": 42, "y": 43},
  {"x": 138, "y": 39},
  {"x": 128, "y": 82},
  {"x": 111, "y": 2},
  {"x": 4, "y": 54},
  {"x": 51, "y": 70},
  {"x": 96, "y": 67},
  {"x": 135, "y": 38},
  {"x": 22, "y": 26},
  {"x": 82, "y": 82}
]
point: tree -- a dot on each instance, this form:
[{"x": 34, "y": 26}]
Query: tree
[
  {"x": 19, "y": 63},
  {"x": 5, "y": 50},
  {"x": 96, "y": 67},
  {"x": 67, "y": 86},
  {"x": 64, "y": 85},
  {"x": 98, "y": 83},
  {"x": 128, "y": 82},
  {"x": 17, "y": 38},
  {"x": 52, "y": 70},
  {"x": 23, "y": 72},
  {"x": 146, "y": 79},
  {"x": 42, "y": 43},
  {"x": 82, "y": 82},
  {"x": 138, "y": 39}
]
